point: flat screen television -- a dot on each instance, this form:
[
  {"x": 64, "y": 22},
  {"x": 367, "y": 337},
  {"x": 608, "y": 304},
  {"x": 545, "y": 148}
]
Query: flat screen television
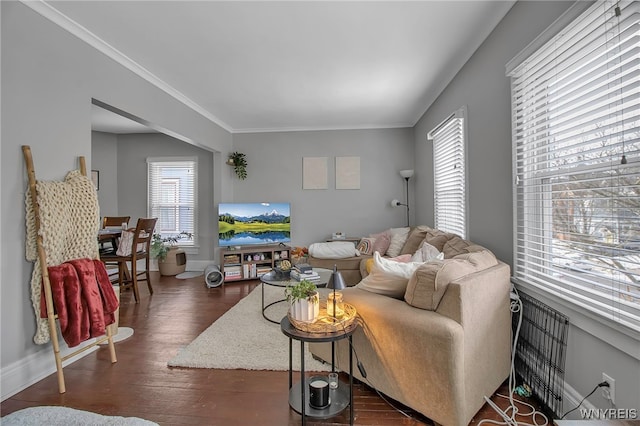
[{"x": 241, "y": 224}]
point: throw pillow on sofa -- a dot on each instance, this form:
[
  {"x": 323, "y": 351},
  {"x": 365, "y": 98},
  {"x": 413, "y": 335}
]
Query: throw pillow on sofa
[
  {"x": 415, "y": 238},
  {"x": 368, "y": 263},
  {"x": 430, "y": 281},
  {"x": 382, "y": 241},
  {"x": 388, "y": 277},
  {"x": 398, "y": 238},
  {"x": 426, "y": 252},
  {"x": 365, "y": 246}
]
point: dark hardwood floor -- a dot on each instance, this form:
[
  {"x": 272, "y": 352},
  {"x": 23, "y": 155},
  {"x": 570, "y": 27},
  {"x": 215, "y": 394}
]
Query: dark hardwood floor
[{"x": 140, "y": 384}]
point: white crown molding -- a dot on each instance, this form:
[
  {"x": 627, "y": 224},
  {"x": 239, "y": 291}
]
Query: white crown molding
[
  {"x": 320, "y": 129},
  {"x": 68, "y": 24}
]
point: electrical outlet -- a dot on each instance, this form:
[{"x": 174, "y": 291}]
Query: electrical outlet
[{"x": 609, "y": 393}]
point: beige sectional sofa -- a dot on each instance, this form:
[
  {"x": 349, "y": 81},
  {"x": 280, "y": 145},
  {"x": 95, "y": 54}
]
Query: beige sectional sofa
[{"x": 443, "y": 344}]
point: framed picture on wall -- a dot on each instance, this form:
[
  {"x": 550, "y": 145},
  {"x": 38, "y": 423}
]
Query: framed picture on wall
[
  {"x": 314, "y": 173},
  {"x": 347, "y": 172},
  {"x": 95, "y": 178}
]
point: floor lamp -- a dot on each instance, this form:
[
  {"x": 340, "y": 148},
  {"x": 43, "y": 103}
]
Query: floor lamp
[{"x": 406, "y": 174}]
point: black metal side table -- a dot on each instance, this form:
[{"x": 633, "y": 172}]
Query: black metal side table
[{"x": 299, "y": 395}]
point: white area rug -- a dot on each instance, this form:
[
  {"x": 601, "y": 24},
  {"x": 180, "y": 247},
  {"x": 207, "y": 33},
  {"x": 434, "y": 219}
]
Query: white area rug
[
  {"x": 243, "y": 339},
  {"x": 64, "y": 416}
]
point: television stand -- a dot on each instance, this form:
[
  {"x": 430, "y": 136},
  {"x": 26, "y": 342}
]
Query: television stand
[{"x": 251, "y": 262}]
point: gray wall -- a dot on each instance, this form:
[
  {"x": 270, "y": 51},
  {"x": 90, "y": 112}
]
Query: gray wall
[
  {"x": 104, "y": 159},
  {"x": 48, "y": 80},
  {"x": 275, "y": 174},
  {"x": 133, "y": 150},
  {"x": 483, "y": 87}
]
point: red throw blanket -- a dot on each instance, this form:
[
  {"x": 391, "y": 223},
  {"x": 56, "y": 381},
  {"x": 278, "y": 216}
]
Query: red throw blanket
[{"x": 83, "y": 298}]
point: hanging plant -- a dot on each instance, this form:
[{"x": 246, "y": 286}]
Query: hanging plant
[{"x": 239, "y": 162}]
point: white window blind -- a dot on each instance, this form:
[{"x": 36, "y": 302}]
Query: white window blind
[
  {"x": 172, "y": 196},
  {"x": 449, "y": 164},
  {"x": 576, "y": 128}
]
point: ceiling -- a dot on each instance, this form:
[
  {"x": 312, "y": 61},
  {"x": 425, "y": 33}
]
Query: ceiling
[{"x": 255, "y": 66}]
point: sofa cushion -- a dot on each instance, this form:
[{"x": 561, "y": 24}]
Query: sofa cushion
[
  {"x": 398, "y": 238},
  {"x": 456, "y": 245},
  {"x": 430, "y": 281},
  {"x": 426, "y": 252},
  {"x": 388, "y": 277},
  {"x": 481, "y": 259},
  {"x": 437, "y": 238},
  {"x": 333, "y": 250},
  {"x": 415, "y": 238}
]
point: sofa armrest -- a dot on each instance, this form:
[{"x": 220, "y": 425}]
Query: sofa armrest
[
  {"x": 480, "y": 303},
  {"x": 468, "y": 298},
  {"x": 412, "y": 355}
]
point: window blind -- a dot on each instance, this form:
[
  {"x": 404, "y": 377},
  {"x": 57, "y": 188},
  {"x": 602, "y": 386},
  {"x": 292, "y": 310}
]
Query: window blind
[
  {"x": 172, "y": 196},
  {"x": 576, "y": 129},
  {"x": 449, "y": 175}
]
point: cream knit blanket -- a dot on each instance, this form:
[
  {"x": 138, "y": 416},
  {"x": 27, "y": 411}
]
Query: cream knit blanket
[{"x": 69, "y": 223}]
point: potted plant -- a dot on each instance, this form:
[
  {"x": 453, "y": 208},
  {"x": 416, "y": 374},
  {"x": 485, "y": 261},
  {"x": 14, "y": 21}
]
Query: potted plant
[
  {"x": 239, "y": 162},
  {"x": 304, "y": 300},
  {"x": 165, "y": 249}
]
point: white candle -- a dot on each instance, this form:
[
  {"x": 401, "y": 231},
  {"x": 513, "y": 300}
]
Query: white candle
[
  {"x": 319, "y": 384},
  {"x": 339, "y": 307}
]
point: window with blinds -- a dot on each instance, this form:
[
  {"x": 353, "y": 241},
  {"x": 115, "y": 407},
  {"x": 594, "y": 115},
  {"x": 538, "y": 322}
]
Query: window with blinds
[
  {"x": 449, "y": 164},
  {"x": 576, "y": 139},
  {"x": 172, "y": 196}
]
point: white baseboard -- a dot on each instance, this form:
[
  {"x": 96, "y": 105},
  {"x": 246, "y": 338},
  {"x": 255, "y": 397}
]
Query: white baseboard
[
  {"x": 192, "y": 265},
  {"x": 198, "y": 265},
  {"x": 571, "y": 400},
  {"x": 21, "y": 374}
]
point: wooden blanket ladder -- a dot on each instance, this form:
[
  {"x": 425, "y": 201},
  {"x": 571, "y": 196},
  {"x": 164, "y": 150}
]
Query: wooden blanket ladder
[{"x": 51, "y": 315}]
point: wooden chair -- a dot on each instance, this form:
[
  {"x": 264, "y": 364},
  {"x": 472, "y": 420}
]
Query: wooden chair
[
  {"x": 140, "y": 247},
  {"x": 115, "y": 221},
  {"x": 112, "y": 222}
]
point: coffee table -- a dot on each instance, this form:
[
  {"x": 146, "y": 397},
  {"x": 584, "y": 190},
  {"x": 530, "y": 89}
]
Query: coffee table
[{"x": 270, "y": 279}]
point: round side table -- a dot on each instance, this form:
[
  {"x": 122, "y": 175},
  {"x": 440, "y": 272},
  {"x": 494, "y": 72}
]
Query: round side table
[{"x": 299, "y": 395}]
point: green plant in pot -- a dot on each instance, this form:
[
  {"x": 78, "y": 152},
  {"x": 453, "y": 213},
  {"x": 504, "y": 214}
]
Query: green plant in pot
[
  {"x": 239, "y": 162},
  {"x": 304, "y": 300},
  {"x": 160, "y": 248}
]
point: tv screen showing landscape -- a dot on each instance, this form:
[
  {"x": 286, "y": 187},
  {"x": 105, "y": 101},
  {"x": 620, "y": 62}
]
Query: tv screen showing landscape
[{"x": 241, "y": 224}]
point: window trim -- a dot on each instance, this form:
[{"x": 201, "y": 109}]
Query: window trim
[
  {"x": 575, "y": 10},
  {"x": 191, "y": 245},
  {"x": 603, "y": 327},
  {"x": 460, "y": 113}
]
